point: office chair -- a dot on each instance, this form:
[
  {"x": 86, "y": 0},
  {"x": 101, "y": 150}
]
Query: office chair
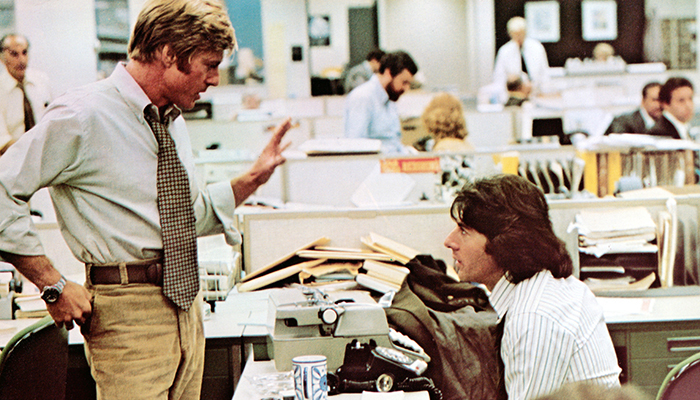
[
  {"x": 683, "y": 381},
  {"x": 34, "y": 363}
]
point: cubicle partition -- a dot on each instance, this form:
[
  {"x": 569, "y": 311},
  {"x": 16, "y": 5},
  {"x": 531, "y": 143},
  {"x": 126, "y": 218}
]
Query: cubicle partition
[{"x": 268, "y": 236}]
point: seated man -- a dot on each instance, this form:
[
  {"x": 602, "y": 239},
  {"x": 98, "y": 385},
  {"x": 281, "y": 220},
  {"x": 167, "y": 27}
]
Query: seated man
[
  {"x": 554, "y": 331},
  {"x": 676, "y": 97},
  {"x": 370, "y": 111},
  {"x": 518, "y": 91},
  {"x": 363, "y": 71},
  {"x": 642, "y": 119}
]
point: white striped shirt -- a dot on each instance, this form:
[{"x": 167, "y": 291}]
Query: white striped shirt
[{"x": 554, "y": 333}]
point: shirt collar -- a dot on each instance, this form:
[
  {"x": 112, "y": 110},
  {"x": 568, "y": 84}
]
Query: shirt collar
[
  {"x": 648, "y": 120},
  {"x": 680, "y": 126},
  {"x": 379, "y": 90},
  {"x": 7, "y": 81},
  {"x": 136, "y": 98},
  {"x": 501, "y": 296}
]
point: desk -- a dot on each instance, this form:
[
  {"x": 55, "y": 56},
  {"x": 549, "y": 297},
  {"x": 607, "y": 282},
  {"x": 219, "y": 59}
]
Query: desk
[
  {"x": 246, "y": 391},
  {"x": 650, "y": 343},
  {"x": 236, "y": 323}
]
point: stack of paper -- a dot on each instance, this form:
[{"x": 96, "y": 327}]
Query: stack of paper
[
  {"x": 30, "y": 306},
  {"x": 620, "y": 230},
  {"x": 317, "y": 263},
  {"x": 618, "y": 248}
]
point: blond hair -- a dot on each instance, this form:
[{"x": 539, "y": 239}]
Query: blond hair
[
  {"x": 187, "y": 26},
  {"x": 602, "y": 51},
  {"x": 516, "y": 24},
  {"x": 443, "y": 117}
]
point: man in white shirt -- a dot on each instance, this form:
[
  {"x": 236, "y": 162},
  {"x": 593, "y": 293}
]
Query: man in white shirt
[
  {"x": 111, "y": 152},
  {"x": 521, "y": 56},
  {"x": 676, "y": 97},
  {"x": 370, "y": 109},
  {"x": 554, "y": 331},
  {"x": 16, "y": 80}
]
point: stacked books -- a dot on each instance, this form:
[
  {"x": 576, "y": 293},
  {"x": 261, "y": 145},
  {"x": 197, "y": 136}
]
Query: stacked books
[
  {"x": 379, "y": 267},
  {"x": 382, "y": 277}
]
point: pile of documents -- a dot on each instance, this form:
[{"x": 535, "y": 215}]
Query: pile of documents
[
  {"x": 618, "y": 248},
  {"x": 379, "y": 267},
  {"x": 619, "y": 230}
]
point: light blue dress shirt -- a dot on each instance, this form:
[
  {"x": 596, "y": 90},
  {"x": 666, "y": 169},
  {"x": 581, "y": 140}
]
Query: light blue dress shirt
[
  {"x": 370, "y": 114},
  {"x": 97, "y": 154}
]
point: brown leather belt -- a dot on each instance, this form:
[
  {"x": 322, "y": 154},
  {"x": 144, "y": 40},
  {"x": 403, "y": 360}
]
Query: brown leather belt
[{"x": 145, "y": 271}]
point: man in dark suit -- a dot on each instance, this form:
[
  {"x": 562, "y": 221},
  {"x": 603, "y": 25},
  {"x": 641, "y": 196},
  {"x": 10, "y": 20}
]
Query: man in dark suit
[
  {"x": 643, "y": 118},
  {"x": 676, "y": 97}
]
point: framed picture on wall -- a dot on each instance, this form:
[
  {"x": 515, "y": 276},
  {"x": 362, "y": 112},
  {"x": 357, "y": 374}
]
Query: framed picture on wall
[
  {"x": 599, "y": 20},
  {"x": 319, "y": 30},
  {"x": 542, "y": 20}
]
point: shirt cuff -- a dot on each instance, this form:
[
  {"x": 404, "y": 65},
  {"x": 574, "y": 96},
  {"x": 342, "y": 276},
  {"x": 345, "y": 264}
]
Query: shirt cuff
[{"x": 221, "y": 195}]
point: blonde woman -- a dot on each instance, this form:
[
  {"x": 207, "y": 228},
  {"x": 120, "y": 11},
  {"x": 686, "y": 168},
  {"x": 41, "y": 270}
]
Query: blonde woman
[{"x": 444, "y": 120}]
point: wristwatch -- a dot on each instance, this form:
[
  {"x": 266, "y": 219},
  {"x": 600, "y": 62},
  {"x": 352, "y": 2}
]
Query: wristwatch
[{"x": 50, "y": 294}]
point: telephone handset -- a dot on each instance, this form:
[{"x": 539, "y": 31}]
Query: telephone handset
[
  {"x": 400, "y": 359},
  {"x": 407, "y": 345}
]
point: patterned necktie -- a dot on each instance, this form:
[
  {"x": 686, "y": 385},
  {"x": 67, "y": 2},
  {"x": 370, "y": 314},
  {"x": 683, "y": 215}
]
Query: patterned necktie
[
  {"x": 28, "y": 112},
  {"x": 180, "y": 272}
]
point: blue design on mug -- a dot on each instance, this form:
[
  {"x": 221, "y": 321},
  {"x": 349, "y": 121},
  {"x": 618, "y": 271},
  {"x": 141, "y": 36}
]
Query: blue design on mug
[{"x": 310, "y": 378}]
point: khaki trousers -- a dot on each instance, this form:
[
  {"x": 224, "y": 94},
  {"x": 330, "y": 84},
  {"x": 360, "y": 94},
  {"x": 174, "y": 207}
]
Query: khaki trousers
[{"x": 141, "y": 346}]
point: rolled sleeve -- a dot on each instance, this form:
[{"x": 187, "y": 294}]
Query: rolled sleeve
[{"x": 215, "y": 211}]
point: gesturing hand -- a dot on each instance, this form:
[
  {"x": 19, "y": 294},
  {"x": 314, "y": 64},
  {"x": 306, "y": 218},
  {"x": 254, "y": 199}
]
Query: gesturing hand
[{"x": 271, "y": 156}]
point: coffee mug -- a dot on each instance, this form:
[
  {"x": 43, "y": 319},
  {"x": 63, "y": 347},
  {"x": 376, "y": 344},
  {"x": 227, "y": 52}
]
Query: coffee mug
[{"x": 310, "y": 379}]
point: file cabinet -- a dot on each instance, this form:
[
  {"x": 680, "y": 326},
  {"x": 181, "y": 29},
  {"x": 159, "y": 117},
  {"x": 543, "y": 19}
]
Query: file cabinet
[{"x": 648, "y": 351}]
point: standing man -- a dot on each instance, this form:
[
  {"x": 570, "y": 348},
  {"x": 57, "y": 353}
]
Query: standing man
[
  {"x": 117, "y": 158},
  {"x": 24, "y": 92},
  {"x": 643, "y": 118},
  {"x": 521, "y": 56},
  {"x": 676, "y": 97},
  {"x": 554, "y": 331},
  {"x": 363, "y": 71},
  {"x": 370, "y": 109}
]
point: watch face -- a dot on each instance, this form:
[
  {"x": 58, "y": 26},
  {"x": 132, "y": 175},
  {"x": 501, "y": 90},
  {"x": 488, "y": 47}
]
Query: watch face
[{"x": 50, "y": 295}]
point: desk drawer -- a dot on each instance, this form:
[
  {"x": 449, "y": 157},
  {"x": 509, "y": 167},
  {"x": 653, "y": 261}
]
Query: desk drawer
[
  {"x": 664, "y": 344},
  {"x": 651, "y": 372}
]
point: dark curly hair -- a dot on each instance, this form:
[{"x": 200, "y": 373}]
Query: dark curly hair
[{"x": 514, "y": 216}]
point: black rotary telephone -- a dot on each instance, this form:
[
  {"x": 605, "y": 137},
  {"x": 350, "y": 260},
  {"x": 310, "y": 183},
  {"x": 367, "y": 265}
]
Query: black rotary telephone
[{"x": 369, "y": 367}]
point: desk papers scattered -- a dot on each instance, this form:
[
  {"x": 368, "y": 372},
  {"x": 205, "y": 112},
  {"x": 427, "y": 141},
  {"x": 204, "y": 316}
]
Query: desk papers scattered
[
  {"x": 619, "y": 306},
  {"x": 380, "y": 268},
  {"x": 625, "y": 283},
  {"x": 383, "y": 189},
  {"x": 339, "y": 146}
]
